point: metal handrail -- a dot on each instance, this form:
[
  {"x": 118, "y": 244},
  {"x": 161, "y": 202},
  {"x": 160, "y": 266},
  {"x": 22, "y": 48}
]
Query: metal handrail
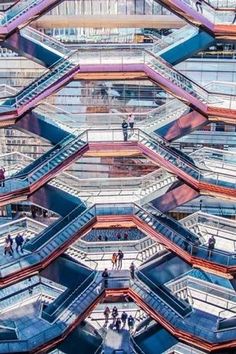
[
  {"x": 180, "y": 303},
  {"x": 92, "y": 276}
]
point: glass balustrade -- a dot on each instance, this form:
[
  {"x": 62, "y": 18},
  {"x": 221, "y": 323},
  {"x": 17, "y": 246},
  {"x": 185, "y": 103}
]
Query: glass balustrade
[
  {"x": 20, "y": 226},
  {"x": 208, "y": 11},
  {"x": 157, "y": 64},
  {"x": 149, "y": 120},
  {"x": 214, "y": 159},
  {"x": 156, "y": 145},
  {"x": 174, "y": 38},
  {"x": 17, "y": 10},
  {"x": 181, "y": 348},
  {"x": 188, "y": 324},
  {"x": 175, "y": 77},
  {"x": 172, "y": 230},
  {"x": 222, "y": 4},
  {"x": 189, "y": 242},
  {"x": 66, "y": 313},
  {"x": 98, "y": 184},
  {"x": 109, "y": 7},
  {"x": 221, "y": 87},
  {"x": 48, "y": 41}
]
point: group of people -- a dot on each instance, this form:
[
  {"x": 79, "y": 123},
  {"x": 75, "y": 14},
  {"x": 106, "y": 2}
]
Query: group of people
[
  {"x": 117, "y": 259},
  {"x": 128, "y": 125},
  {"x": 8, "y": 245},
  {"x": 118, "y": 237},
  {"x": 117, "y": 321}
]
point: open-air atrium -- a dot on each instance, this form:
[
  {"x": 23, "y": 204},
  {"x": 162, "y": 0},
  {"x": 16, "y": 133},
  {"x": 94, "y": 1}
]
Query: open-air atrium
[{"x": 118, "y": 176}]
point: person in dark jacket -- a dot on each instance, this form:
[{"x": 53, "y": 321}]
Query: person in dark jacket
[
  {"x": 120, "y": 256},
  {"x": 118, "y": 324},
  {"x": 132, "y": 269},
  {"x": 211, "y": 245},
  {"x": 125, "y": 129},
  {"x": 19, "y": 240},
  {"x": 131, "y": 322},
  {"x": 124, "y": 317},
  {"x": 105, "y": 276}
]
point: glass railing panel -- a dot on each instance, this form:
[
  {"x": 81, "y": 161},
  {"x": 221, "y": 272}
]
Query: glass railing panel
[
  {"x": 48, "y": 157},
  {"x": 51, "y": 42},
  {"x": 214, "y": 16},
  {"x": 45, "y": 80},
  {"x": 6, "y": 91},
  {"x": 173, "y": 38},
  {"x": 216, "y": 221},
  {"x": 13, "y": 162},
  {"x": 18, "y": 9},
  {"x": 219, "y": 179},
  {"x": 6, "y": 104},
  {"x": 170, "y": 111},
  {"x": 65, "y": 299},
  {"x": 11, "y": 228},
  {"x": 222, "y": 101},
  {"x": 109, "y": 57},
  {"x": 183, "y": 238},
  {"x": 211, "y": 158},
  {"x": 173, "y": 109},
  {"x": 58, "y": 227},
  {"x": 213, "y": 291},
  {"x": 109, "y": 7},
  {"x": 98, "y": 184},
  {"x": 219, "y": 4},
  {"x": 168, "y": 72},
  {"x": 113, "y": 209},
  {"x": 158, "y": 145},
  {"x": 221, "y": 87}
]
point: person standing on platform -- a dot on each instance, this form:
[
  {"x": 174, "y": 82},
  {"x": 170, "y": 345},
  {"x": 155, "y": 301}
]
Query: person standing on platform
[
  {"x": 105, "y": 276},
  {"x": 19, "y": 240},
  {"x": 106, "y": 313},
  {"x": 132, "y": 270},
  {"x": 118, "y": 324},
  {"x": 211, "y": 245},
  {"x": 114, "y": 261},
  {"x": 131, "y": 323},
  {"x": 131, "y": 123},
  {"x": 114, "y": 314},
  {"x": 120, "y": 257},
  {"x": 7, "y": 248},
  {"x": 2, "y": 177},
  {"x": 125, "y": 130},
  {"x": 124, "y": 317},
  {"x": 9, "y": 240}
]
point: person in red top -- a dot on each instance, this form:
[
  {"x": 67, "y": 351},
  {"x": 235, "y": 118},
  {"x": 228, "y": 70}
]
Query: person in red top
[{"x": 2, "y": 176}]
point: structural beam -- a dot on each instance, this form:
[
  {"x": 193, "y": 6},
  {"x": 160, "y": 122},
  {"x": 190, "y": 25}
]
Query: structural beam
[{"x": 109, "y": 21}]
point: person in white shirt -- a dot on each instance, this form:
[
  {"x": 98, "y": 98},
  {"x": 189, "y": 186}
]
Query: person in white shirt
[{"x": 131, "y": 123}]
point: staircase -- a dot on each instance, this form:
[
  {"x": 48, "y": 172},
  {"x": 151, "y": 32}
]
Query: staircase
[{"x": 23, "y": 12}]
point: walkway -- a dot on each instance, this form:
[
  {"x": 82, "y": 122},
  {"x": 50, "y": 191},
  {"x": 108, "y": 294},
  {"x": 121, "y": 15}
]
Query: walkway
[{"x": 117, "y": 341}]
